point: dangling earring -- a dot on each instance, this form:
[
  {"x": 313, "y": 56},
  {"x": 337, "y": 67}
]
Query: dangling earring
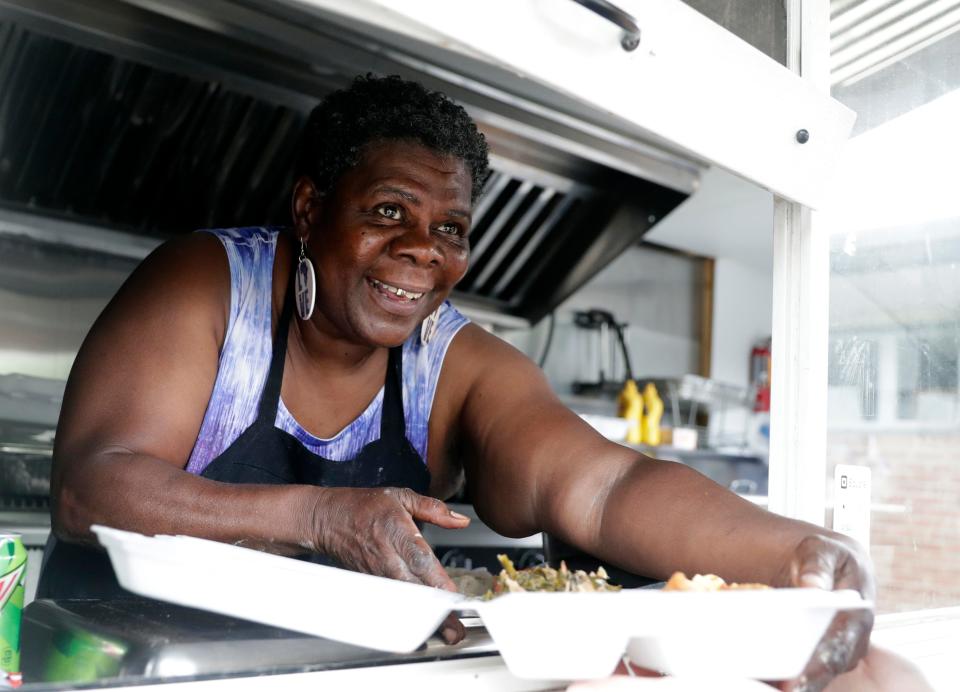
[
  {"x": 428, "y": 328},
  {"x": 305, "y": 285}
]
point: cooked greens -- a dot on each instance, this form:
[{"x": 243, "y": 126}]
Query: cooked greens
[{"x": 545, "y": 578}]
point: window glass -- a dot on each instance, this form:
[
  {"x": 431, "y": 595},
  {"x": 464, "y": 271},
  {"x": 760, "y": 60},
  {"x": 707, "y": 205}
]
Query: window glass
[{"x": 893, "y": 385}]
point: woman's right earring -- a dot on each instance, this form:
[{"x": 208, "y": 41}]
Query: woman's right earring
[{"x": 305, "y": 284}]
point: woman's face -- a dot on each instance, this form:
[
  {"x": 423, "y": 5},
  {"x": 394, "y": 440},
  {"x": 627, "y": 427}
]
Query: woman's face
[{"x": 397, "y": 220}]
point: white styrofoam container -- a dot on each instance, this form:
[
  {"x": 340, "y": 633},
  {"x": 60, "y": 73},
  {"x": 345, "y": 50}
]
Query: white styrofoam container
[
  {"x": 557, "y": 636},
  {"x": 279, "y": 591},
  {"x": 767, "y": 634},
  {"x": 763, "y": 634}
]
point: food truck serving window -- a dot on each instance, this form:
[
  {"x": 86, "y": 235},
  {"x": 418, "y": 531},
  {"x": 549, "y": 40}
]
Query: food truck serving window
[{"x": 894, "y": 396}]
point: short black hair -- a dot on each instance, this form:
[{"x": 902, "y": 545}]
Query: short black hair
[{"x": 375, "y": 109}]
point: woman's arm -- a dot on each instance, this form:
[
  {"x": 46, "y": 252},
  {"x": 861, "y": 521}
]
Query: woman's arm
[
  {"x": 133, "y": 408},
  {"x": 134, "y": 403},
  {"x": 533, "y": 465}
]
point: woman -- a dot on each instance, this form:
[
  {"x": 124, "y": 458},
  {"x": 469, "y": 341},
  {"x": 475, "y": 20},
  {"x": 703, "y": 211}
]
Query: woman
[{"x": 313, "y": 390}]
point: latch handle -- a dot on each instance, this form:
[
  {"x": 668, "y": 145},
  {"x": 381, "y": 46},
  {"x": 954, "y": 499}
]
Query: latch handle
[{"x": 631, "y": 30}]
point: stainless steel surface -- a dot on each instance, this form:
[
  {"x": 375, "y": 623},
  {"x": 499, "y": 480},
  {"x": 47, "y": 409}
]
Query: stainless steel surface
[
  {"x": 476, "y": 535},
  {"x": 25, "y": 445},
  {"x": 310, "y": 32},
  {"x": 33, "y": 527},
  {"x": 187, "y": 115},
  {"x": 712, "y": 392},
  {"x": 631, "y": 31},
  {"x": 45, "y": 229},
  {"x": 50, "y": 294},
  {"x": 177, "y": 42},
  {"x": 748, "y": 472},
  {"x": 25, "y": 458},
  {"x": 149, "y": 639},
  {"x": 55, "y": 278},
  {"x": 227, "y": 43},
  {"x": 499, "y": 221},
  {"x": 525, "y": 252},
  {"x": 520, "y": 229}
]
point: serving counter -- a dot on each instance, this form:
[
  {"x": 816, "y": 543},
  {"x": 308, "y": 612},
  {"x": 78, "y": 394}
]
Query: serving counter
[{"x": 132, "y": 642}]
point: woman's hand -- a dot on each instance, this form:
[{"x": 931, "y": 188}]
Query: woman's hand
[
  {"x": 373, "y": 530},
  {"x": 832, "y": 563},
  {"x": 881, "y": 670}
]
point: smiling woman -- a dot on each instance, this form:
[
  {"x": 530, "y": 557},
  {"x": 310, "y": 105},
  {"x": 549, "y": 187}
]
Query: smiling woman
[
  {"x": 340, "y": 397},
  {"x": 402, "y": 214},
  {"x": 202, "y": 403}
]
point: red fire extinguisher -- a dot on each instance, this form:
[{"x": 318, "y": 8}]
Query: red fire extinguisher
[{"x": 760, "y": 375}]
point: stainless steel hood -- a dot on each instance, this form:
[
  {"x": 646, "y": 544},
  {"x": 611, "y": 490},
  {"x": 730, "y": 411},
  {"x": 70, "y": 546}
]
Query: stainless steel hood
[{"x": 159, "y": 118}]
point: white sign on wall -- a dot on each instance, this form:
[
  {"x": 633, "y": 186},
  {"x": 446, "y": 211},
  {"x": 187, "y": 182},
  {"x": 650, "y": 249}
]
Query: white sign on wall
[{"x": 851, "y": 509}]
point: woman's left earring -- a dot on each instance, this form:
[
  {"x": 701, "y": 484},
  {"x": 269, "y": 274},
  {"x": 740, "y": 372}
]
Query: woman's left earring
[
  {"x": 305, "y": 284},
  {"x": 428, "y": 328}
]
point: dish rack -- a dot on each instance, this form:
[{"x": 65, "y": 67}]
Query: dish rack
[{"x": 26, "y": 457}]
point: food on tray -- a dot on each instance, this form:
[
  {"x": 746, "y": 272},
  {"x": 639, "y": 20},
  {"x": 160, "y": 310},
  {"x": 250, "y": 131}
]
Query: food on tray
[
  {"x": 705, "y": 582},
  {"x": 471, "y": 582},
  {"x": 480, "y": 583},
  {"x": 545, "y": 578}
]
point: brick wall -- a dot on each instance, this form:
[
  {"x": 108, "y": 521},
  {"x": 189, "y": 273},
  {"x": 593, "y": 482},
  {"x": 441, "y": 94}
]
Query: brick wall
[{"x": 915, "y": 534}]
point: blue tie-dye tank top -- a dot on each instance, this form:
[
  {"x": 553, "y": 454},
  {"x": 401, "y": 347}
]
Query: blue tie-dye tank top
[{"x": 245, "y": 360}]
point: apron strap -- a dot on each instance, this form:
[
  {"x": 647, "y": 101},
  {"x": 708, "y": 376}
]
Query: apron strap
[
  {"x": 393, "y": 425},
  {"x": 270, "y": 399}
]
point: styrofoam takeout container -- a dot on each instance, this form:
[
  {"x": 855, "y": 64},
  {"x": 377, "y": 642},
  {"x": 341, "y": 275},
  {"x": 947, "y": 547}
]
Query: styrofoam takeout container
[
  {"x": 279, "y": 591},
  {"x": 557, "y": 636},
  {"x": 767, "y": 634},
  {"x": 764, "y": 634}
]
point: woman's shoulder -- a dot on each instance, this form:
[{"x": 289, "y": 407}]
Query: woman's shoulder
[
  {"x": 186, "y": 263},
  {"x": 451, "y": 320},
  {"x": 432, "y": 352},
  {"x": 253, "y": 237},
  {"x": 204, "y": 249},
  {"x": 199, "y": 271},
  {"x": 259, "y": 259},
  {"x": 476, "y": 354}
]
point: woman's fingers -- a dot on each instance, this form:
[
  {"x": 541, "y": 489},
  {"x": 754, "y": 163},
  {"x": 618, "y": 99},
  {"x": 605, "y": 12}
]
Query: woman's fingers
[
  {"x": 394, "y": 547},
  {"x": 419, "y": 558},
  {"x": 828, "y": 563},
  {"x": 452, "y": 630},
  {"x": 816, "y": 570},
  {"x": 373, "y": 531},
  {"x": 413, "y": 560},
  {"x": 430, "y": 509},
  {"x": 838, "y": 651}
]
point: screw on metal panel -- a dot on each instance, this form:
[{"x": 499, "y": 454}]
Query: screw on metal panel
[{"x": 803, "y": 136}]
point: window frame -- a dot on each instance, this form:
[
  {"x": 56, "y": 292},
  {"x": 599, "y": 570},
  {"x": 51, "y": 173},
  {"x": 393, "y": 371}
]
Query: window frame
[
  {"x": 801, "y": 302},
  {"x": 800, "y": 345}
]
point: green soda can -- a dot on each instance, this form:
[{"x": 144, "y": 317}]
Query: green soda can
[{"x": 13, "y": 576}]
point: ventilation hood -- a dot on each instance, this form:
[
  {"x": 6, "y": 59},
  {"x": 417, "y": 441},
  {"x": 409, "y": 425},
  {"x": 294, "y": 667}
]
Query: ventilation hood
[{"x": 158, "y": 118}]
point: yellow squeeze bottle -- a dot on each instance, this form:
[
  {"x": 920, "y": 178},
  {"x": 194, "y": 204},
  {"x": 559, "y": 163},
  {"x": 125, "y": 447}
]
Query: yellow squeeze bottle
[
  {"x": 651, "y": 422},
  {"x": 630, "y": 406}
]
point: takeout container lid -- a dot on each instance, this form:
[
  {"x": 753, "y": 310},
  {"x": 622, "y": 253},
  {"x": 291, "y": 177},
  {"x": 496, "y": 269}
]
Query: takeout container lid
[
  {"x": 275, "y": 590},
  {"x": 768, "y": 634}
]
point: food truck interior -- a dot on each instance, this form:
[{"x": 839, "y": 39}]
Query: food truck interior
[{"x": 600, "y": 250}]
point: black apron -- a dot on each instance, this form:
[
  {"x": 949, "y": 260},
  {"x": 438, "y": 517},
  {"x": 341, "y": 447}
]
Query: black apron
[{"x": 264, "y": 454}]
